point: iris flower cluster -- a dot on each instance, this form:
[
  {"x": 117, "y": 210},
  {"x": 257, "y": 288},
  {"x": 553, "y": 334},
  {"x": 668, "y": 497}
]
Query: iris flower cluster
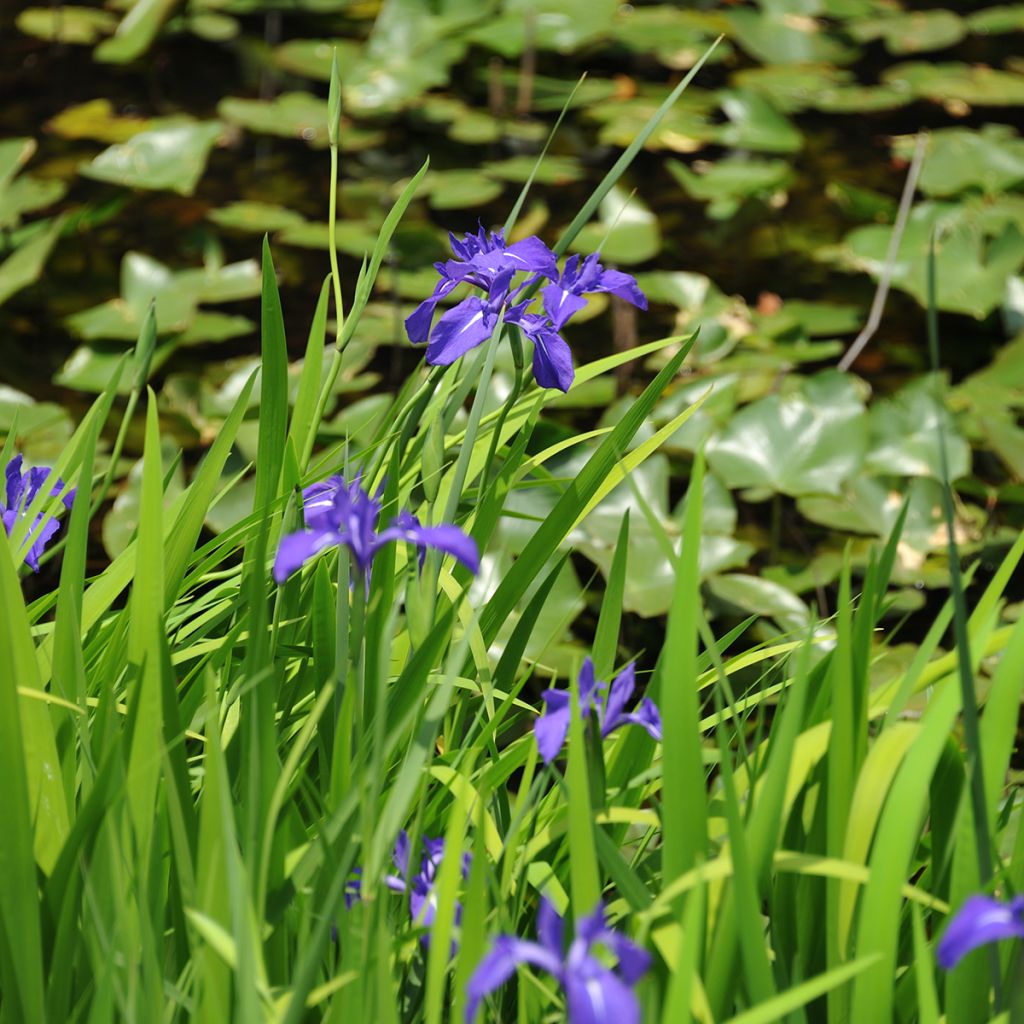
[
  {"x": 594, "y": 993},
  {"x": 607, "y": 702},
  {"x": 337, "y": 512},
  {"x": 19, "y": 494},
  {"x": 502, "y": 273}
]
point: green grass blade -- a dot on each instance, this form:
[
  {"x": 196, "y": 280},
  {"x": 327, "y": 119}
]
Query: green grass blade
[
  {"x": 22, "y": 960},
  {"x": 684, "y": 801},
  {"x": 145, "y": 636}
]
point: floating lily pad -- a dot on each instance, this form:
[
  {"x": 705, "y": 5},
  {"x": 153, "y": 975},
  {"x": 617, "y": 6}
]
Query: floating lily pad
[
  {"x": 997, "y": 20},
  {"x": 553, "y": 170},
  {"x": 23, "y": 193},
  {"x": 685, "y": 128},
  {"x": 25, "y": 264},
  {"x": 177, "y": 295},
  {"x": 754, "y": 595},
  {"x": 562, "y": 25},
  {"x": 292, "y": 115},
  {"x": 311, "y": 58},
  {"x": 90, "y": 367},
  {"x": 806, "y": 442},
  {"x": 783, "y": 37},
  {"x": 628, "y": 232},
  {"x": 42, "y": 429},
  {"x": 676, "y": 37},
  {"x": 172, "y": 156},
  {"x": 791, "y": 87},
  {"x": 871, "y": 505},
  {"x": 95, "y": 119},
  {"x": 971, "y": 270},
  {"x": 755, "y": 124},
  {"x": 905, "y": 436},
  {"x": 80, "y": 26},
  {"x": 911, "y": 31},
  {"x": 972, "y": 84},
  {"x": 246, "y": 215},
  {"x": 958, "y": 159},
  {"x": 725, "y": 183},
  {"x": 861, "y": 99},
  {"x": 460, "y": 189},
  {"x": 355, "y": 238}
]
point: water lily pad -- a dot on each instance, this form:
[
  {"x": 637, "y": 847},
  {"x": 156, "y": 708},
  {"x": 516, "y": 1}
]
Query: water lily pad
[
  {"x": 292, "y": 115},
  {"x": 784, "y": 37},
  {"x": 356, "y": 238},
  {"x": 675, "y": 36},
  {"x": 628, "y": 231},
  {"x": 754, "y": 595},
  {"x": 725, "y": 183},
  {"x": 23, "y": 266},
  {"x": 561, "y": 25},
  {"x": 958, "y": 159},
  {"x": 26, "y": 194},
  {"x": 80, "y": 26},
  {"x": 210, "y": 327},
  {"x": 971, "y": 84},
  {"x": 246, "y": 215},
  {"x": 997, "y": 20},
  {"x": 311, "y": 58},
  {"x": 177, "y": 295},
  {"x": 911, "y": 31},
  {"x": 971, "y": 270},
  {"x": 42, "y": 429},
  {"x": 805, "y": 442},
  {"x": 459, "y": 189},
  {"x": 90, "y": 367},
  {"x": 96, "y": 119},
  {"x": 871, "y": 505},
  {"x": 554, "y": 170},
  {"x": 791, "y": 87},
  {"x": 172, "y": 156},
  {"x": 755, "y": 124},
  {"x": 861, "y": 99},
  {"x": 905, "y": 435},
  {"x": 685, "y": 128}
]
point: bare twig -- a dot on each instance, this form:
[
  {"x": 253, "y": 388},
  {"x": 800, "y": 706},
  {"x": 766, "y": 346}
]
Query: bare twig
[{"x": 882, "y": 292}]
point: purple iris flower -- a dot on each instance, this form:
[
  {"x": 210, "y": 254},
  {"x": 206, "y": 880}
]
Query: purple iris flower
[
  {"x": 579, "y": 278},
  {"x": 420, "y": 886},
  {"x": 595, "y": 994},
  {"x": 979, "y": 921},
  {"x": 486, "y": 262},
  {"x": 337, "y": 512},
  {"x": 20, "y": 492},
  {"x": 552, "y": 726}
]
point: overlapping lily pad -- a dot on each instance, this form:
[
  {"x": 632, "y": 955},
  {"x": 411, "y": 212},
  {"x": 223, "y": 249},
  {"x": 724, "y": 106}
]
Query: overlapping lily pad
[
  {"x": 170, "y": 155},
  {"x": 990, "y": 159},
  {"x": 807, "y": 441}
]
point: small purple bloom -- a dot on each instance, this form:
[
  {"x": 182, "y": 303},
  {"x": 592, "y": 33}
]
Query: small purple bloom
[
  {"x": 484, "y": 261},
  {"x": 337, "y": 512},
  {"x": 594, "y": 993},
  {"x": 420, "y": 887},
  {"x": 579, "y": 278},
  {"x": 979, "y": 921},
  {"x": 552, "y": 726},
  {"x": 21, "y": 490}
]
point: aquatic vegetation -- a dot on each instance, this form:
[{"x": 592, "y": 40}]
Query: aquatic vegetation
[{"x": 219, "y": 740}]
